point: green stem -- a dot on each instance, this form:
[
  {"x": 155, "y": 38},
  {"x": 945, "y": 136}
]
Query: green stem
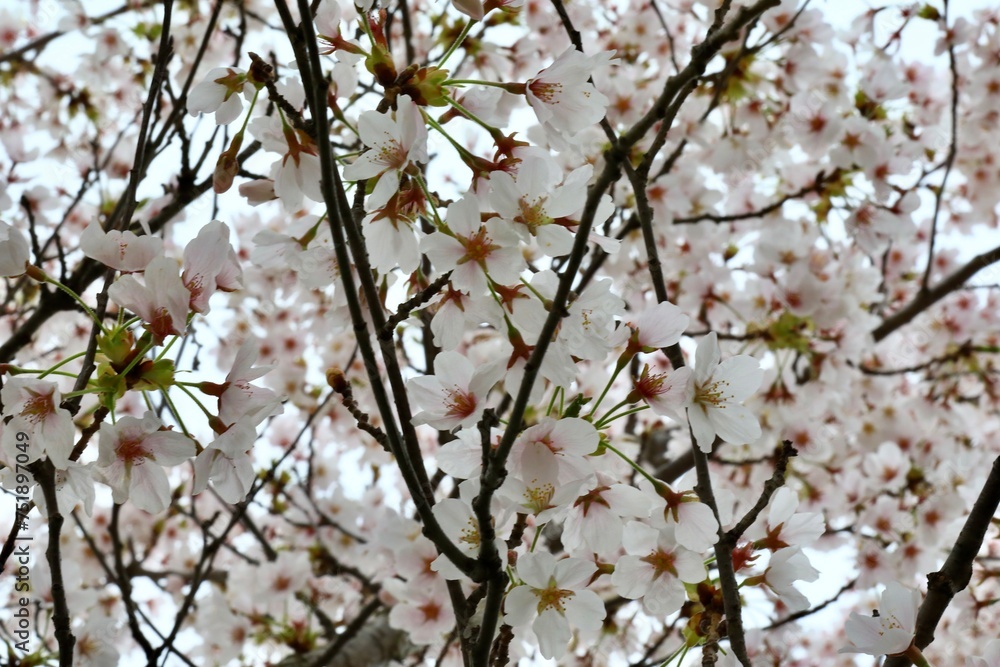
[
  {"x": 538, "y": 533},
  {"x": 916, "y": 657},
  {"x": 438, "y": 222},
  {"x": 177, "y": 414},
  {"x": 635, "y": 466},
  {"x": 183, "y": 386},
  {"x": 607, "y": 388},
  {"x": 139, "y": 357},
  {"x": 82, "y": 392},
  {"x": 166, "y": 348},
  {"x": 76, "y": 297},
  {"x": 609, "y": 412},
  {"x": 608, "y": 418},
  {"x": 17, "y": 370},
  {"x": 552, "y": 403},
  {"x": 458, "y": 42},
  {"x": 471, "y": 116},
  {"x": 457, "y": 146},
  {"x": 474, "y": 82}
]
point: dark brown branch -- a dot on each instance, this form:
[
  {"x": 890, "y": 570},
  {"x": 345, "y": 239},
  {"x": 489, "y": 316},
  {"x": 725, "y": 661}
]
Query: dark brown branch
[
  {"x": 926, "y": 299},
  {"x": 956, "y": 573},
  {"x": 45, "y": 476},
  {"x": 776, "y": 481},
  {"x": 815, "y": 186},
  {"x": 791, "y": 618}
]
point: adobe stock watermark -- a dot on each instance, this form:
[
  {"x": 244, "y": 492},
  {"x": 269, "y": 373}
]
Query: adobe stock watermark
[{"x": 21, "y": 557}]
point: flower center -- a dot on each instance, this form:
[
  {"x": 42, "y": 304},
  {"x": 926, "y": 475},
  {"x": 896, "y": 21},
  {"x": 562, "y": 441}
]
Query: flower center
[
  {"x": 539, "y": 496},
  {"x": 470, "y": 534},
  {"x": 533, "y": 215},
  {"x": 545, "y": 91},
  {"x": 661, "y": 561},
  {"x": 131, "y": 451},
  {"x": 478, "y": 247},
  {"x": 38, "y": 407},
  {"x": 713, "y": 394},
  {"x": 460, "y": 403},
  {"x": 553, "y": 598}
]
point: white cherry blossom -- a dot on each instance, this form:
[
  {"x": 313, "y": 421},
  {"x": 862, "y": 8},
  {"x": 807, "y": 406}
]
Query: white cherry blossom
[
  {"x": 552, "y": 598},
  {"x": 473, "y": 250},
  {"x": 561, "y": 94},
  {"x": 14, "y": 251},
  {"x": 393, "y": 144},
  {"x": 220, "y": 94},
  {"x": 890, "y": 632},
  {"x": 132, "y": 455},
  {"x": 717, "y": 393},
  {"x": 656, "y": 568},
  {"x": 455, "y": 395},
  {"x": 122, "y": 251},
  {"x": 34, "y": 408}
]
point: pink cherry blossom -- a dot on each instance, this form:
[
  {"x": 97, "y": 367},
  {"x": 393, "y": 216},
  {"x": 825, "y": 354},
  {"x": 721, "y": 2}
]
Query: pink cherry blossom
[
  {"x": 227, "y": 463},
  {"x": 539, "y": 201},
  {"x": 132, "y": 455},
  {"x": 241, "y": 401},
  {"x": 656, "y": 568},
  {"x": 393, "y": 143},
  {"x": 220, "y": 94},
  {"x": 424, "y": 612},
  {"x": 784, "y": 527},
  {"x": 786, "y": 567},
  {"x": 33, "y": 406},
  {"x": 593, "y": 523},
  {"x": 474, "y": 251},
  {"x": 162, "y": 302},
  {"x": 555, "y": 449},
  {"x": 561, "y": 94},
  {"x": 210, "y": 264},
  {"x": 455, "y": 395}
]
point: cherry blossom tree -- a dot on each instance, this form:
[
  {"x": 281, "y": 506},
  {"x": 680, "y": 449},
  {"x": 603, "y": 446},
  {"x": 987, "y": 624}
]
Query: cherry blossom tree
[{"x": 495, "y": 332}]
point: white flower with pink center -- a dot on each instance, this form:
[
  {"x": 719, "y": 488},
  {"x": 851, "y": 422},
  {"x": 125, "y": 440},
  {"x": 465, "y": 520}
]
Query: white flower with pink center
[
  {"x": 473, "y": 250},
  {"x": 455, "y": 395},
  {"x": 423, "y": 611},
  {"x": 220, "y": 94},
  {"x": 33, "y": 406},
  {"x": 717, "y": 394},
  {"x": 132, "y": 453},
  {"x": 562, "y": 96},
  {"x": 553, "y": 597},
  {"x": 891, "y": 631},
  {"x": 162, "y": 302},
  {"x": 786, "y": 567},
  {"x": 393, "y": 144},
  {"x": 210, "y": 264},
  {"x": 554, "y": 449},
  {"x": 594, "y": 523},
  {"x": 695, "y": 525},
  {"x": 656, "y": 568}
]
